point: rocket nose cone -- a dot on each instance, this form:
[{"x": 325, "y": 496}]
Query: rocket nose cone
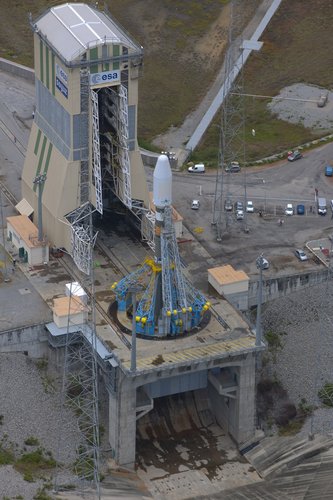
[
  {"x": 162, "y": 182},
  {"x": 162, "y": 168}
]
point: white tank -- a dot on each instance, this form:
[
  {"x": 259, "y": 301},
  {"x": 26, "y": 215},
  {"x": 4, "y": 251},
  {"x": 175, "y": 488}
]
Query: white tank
[{"x": 162, "y": 183}]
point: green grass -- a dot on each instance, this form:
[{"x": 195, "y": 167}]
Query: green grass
[
  {"x": 176, "y": 75},
  {"x": 6, "y": 456},
  {"x": 31, "y": 464}
]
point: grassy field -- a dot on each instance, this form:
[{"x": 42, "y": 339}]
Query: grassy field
[
  {"x": 184, "y": 43},
  {"x": 297, "y": 48}
]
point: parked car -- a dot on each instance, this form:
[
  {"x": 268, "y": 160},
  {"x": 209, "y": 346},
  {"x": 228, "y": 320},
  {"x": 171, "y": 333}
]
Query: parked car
[
  {"x": 240, "y": 214},
  {"x": 301, "y": 255},
  {"x": 239, "y": 205},
  {"x": 329, "y": 171},
  {"x": 322, "y": 100},
  {"x": 199, "y": 168},
  {"x": 294, "y": 155},
  {"x": 249, "y": 207},
  {"x": 195, "y": 204},
  {"x": 233, "y": 167},
  {"x": 300, "y": 209},
  {"x": 289, "y": 210},
  {"x": 228, "y": 205}
]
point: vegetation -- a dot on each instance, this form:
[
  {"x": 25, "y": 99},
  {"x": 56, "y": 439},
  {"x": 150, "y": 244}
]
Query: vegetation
[
  {"x": 184, "y": 44},
  {"x": 33, "y": 463},
  {"x": 31, "y": 441},
  {"x": 326, "y": 394},
  {"x": 274, "y": 342}
]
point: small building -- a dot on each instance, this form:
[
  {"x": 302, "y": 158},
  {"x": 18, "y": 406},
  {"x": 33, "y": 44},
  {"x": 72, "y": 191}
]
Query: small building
[
  {"x": 230, "y": 283},
  {"x": 68, "y": 311},
  {"x": 24, "y": 236}
]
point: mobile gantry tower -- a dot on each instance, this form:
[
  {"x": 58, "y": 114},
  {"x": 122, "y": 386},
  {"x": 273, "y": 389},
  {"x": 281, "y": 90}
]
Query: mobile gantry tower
[{"x": 84, "y": 134}]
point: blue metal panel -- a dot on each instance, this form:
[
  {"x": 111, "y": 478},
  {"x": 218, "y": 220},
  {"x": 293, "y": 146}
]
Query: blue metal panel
[
  {"x": 175, "y": 385},
  {"x": 54, "y": 120}
]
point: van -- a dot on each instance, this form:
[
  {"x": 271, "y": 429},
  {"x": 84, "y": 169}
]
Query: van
[
  {"x": 322, "y": 206},
  {"x": 199, "y": 168}
]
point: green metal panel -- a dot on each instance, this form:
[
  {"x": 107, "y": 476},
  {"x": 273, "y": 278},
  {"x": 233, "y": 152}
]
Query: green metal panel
[
  {"x": 48, "y": 157},
  {"x": 47, "y": 162},
  {"x": 93, "y": 55},
  {"x": 47, "y": 62},
  {"x": 116, "y": 52},
  {"x": 41, "y": 61},
  {"x": 40, "y": 161},
  {"x": 39, "y": 134},
  {"x": 53, "y": 73}
]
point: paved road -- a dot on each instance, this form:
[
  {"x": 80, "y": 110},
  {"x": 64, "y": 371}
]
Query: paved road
[{"x": 270, "y": 188}]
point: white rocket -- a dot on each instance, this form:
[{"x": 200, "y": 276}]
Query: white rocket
[{"x": 162, "y": 183}]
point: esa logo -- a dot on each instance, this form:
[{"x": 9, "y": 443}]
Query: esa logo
[{"x": 105, "y": 77}]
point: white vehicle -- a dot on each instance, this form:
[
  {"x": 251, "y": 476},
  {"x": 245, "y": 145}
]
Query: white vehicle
[
  {"x": 240, "y": 215},
  {"x": 195, "y": 204},
  {"x": 249, "y": 207},
  {"x": 289, "y": 209},
  {"x": 301, "y": 255},
  {"x": 322, "y": 206},
  {"x": 199, "y": 168}
]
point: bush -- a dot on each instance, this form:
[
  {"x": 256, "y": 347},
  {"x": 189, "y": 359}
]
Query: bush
[
  {"x": 326, "y": 394},
  {"x": 285, "y": 413},
  {"x": 31, "y": 441}
]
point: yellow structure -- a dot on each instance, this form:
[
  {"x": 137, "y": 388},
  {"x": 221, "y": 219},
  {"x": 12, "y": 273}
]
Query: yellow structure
[{"x": 84, "y": 134}]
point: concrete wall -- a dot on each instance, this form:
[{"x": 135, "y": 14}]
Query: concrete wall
[
  {"x": 17, "y": 69},
  {"x": 274, "y": 288},
  {"x": 30, "y": 339}
]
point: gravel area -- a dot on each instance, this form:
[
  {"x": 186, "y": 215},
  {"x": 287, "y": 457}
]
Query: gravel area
[
  {"x": 31, "y": 408},
  {"x": 304, "y": 111},
  {"x": 304, "y": 321}
]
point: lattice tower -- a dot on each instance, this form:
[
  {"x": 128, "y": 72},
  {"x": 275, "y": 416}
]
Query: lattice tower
[{"x": 232, "y": 123}]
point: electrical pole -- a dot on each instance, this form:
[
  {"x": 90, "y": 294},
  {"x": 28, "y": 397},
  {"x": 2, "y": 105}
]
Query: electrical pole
[
  {"x": 39, "y": 181},
  {"x": 259, "y": 263}
]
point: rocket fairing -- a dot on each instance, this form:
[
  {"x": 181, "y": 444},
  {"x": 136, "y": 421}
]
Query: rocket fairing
[{"x": 162, "y": 183}]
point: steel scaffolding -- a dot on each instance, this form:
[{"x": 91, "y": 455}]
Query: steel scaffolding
[{"x": 96, "y": 153}]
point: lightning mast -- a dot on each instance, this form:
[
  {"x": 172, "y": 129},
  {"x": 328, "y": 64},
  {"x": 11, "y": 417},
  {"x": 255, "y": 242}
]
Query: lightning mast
[{"x": 232, "y": 124}]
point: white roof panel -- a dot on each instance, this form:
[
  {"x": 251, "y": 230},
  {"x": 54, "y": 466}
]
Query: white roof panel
[{"x": 74, "y": 27}]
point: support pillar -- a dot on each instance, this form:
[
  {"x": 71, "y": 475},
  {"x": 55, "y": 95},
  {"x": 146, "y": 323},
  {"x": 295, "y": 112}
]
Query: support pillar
[
  {"x": 246, "y": 399},
  {"x": 122, "y": 421}
]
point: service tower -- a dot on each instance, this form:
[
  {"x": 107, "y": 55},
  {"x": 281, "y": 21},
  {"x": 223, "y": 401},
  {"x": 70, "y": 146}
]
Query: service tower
[
  {"x": 84, "y": 134},
  {"x": 168, "y": 304}
]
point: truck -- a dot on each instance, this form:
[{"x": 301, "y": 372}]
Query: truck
[
  {"x": 329, "y": 171},
  {"x": 322, "y": 206}
]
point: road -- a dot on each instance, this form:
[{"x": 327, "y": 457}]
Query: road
[{"x": 270, "y": 188}]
